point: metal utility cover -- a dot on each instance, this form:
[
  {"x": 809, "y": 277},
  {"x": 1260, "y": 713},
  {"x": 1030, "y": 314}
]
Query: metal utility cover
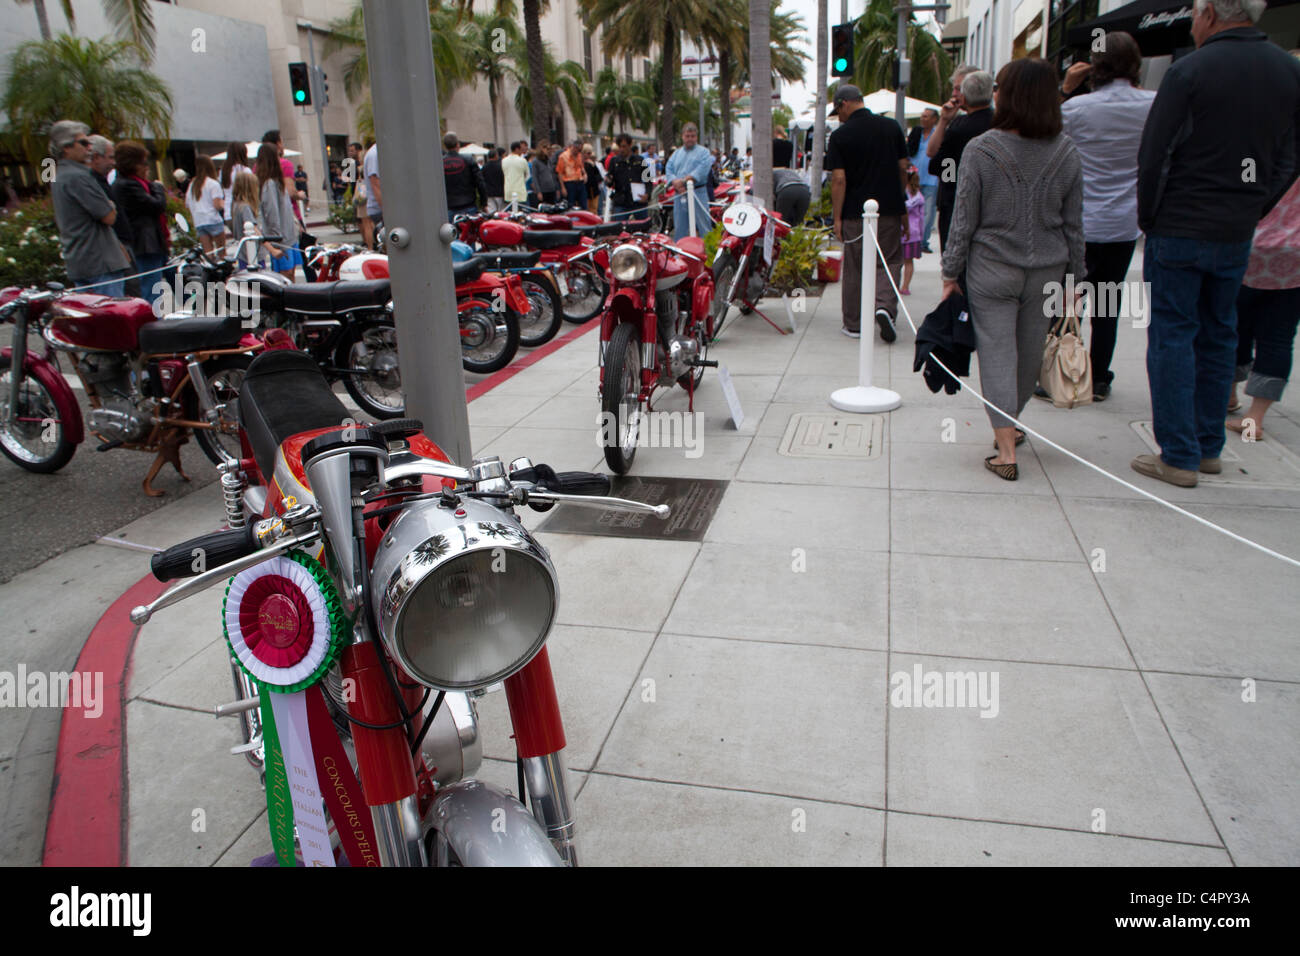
[
  {"x": 833, "y": 435},
  {"x": 1258, "y": 464},
  {"x": 693, "y": 501}
]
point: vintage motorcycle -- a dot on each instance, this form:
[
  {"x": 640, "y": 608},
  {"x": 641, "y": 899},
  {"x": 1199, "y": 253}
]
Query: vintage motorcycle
[
  {"x": 149, "y": 383},
  {"x": 750, "y": 246},
  {"x": 655, "y": 331},
  {"x": 380, "y": 589}
]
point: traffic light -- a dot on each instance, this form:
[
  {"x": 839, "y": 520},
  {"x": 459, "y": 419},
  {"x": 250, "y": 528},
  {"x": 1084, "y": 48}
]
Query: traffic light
[
  {"x": 323, "y": 90},
  {"x": 300, "y": 84},
  {"x": 842, "y": 49}
]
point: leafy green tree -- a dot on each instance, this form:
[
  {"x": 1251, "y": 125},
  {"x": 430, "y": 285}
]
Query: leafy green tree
[
  {"x": 100, "y": 83},
  {"x": 568, "y": 80},
  {"x": 493, "y": 34},
  {"x": 728, "y": 34},
  {"x": 624, "y": 101},
  {"x": 875, "y": 43},
  {"x": 131, "y": 20}
]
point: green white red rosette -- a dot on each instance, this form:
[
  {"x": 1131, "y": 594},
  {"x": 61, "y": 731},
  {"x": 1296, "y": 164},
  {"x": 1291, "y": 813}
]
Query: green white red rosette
[{"x": 284, "y": 622}]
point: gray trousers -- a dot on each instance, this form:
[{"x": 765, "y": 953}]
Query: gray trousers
[
  {"x": 1008, "y": 309},
  {"x": 889, "y": 230}
]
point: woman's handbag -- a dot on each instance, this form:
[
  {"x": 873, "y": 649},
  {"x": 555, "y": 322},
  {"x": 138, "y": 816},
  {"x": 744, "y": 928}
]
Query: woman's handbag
[{"x": 1066, "y": 373}]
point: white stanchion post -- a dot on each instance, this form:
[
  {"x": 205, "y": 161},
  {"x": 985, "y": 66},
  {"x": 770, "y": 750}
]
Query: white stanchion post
[
  {"x": 690, "y": 205},
  {"x": 609, "y": 200},
  {"x": 865, "y": 397}
]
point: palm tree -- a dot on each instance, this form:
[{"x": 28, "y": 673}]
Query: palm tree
[
  {"x": 131, "y": 20},
  {"x": 567, "y": 79},
  {"x": 493, "y": 34},
  {"x": 875, "y": 43},
  {"x": 622, "y": 100},
  {"x": 760, "y": 69},
  {"x": 538, "y": 90},
  {"x": 635, "y": 28},
  {"x": 97, "y": 82},
  {"x": 728, "y": 33}
]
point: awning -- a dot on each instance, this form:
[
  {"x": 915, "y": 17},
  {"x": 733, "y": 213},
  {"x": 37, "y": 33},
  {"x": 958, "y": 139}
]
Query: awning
[
  {"x": 1159, "y": 26},
  {"x": 954, "y": 30}
]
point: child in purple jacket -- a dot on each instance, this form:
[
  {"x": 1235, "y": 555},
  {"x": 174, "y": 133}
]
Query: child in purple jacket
[{"x": 915, "y": 227}]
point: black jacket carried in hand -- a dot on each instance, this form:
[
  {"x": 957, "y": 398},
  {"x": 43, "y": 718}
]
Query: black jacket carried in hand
[
  {"x": 947, "y": 335},
  {"x": 1219, "y": 147},
  {"x": 494, "y": 180},
  {"x": 143, "y": 209},
  {"x": 464, "y": 182}
]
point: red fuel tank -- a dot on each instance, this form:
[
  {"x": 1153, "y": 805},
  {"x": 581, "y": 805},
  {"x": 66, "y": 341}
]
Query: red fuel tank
[
  {"x": 496, "y": 232},
  {"x": 99, "y": 322}
]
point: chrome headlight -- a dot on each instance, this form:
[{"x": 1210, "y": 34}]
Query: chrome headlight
[
  {"x": 627, "y": 263},
  {"x": 463, "y": 596}
]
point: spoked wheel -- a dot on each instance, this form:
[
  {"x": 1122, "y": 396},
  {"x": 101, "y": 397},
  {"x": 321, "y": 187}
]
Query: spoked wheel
[
  {"x": 621, "y": 398},
  {"x": 545, "y": 312},
  {"x": 488, "y": 339},
  {"x": 36, "y": 439},
  {"x": 373, "y": 379},
  {"x": 586, "y": 293},
  {"x": 724, "y": 271},
  {"x": 225, "y": 378}
]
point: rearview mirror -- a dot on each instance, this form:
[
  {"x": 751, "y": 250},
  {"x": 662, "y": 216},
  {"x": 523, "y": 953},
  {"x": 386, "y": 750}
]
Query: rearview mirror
[{"x": 182, "y": 223}]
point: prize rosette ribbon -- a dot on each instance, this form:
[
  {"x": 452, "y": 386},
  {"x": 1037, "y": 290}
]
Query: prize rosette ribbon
[{"x": 286, "y": 627}]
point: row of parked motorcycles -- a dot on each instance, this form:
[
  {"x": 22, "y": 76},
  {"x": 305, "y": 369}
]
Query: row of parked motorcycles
[{"x": 375, "y": 589}]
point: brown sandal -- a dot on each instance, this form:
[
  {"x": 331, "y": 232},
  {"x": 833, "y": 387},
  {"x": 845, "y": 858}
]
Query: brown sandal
[
  {"x": 1007, "y": 471},
  {"x": 1020, "y": 439}
]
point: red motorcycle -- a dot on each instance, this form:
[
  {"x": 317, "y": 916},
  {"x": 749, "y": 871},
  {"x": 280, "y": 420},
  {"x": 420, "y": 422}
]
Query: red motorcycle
[
  {"x": 750, "y": 246},
  {"x": 489, "y": 308},
  {"x": 149, "y": 383},
  {"x": 375, "y": 590},
  {"x": 582, "y": 282},
  {"x": 325, "y": 261},
  {"x": 655, "y": 332}
]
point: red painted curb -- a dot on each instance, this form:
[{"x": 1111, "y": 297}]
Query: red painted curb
[
  {"x": 89, "y": 762},
  {"x": 532, "y": 358}
]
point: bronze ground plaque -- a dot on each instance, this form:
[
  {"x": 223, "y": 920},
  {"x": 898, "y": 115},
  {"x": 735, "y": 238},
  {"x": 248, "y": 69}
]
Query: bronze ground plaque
[{"x": 693, "y": 501}]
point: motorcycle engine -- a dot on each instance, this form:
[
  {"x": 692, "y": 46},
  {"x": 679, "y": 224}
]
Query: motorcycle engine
[
  {"x": 755, "y": 287},
  {"x": 682, "y": 350},
  {"x": 119, "y": 417}
]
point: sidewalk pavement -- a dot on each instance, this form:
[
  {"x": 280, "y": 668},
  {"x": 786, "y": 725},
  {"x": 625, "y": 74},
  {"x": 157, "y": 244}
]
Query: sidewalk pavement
[{"x": 742, "y": 700}]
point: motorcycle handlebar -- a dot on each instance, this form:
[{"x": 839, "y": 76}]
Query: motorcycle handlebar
[
  {"x": 564, "y": 482},
  {"x": 193, "y": 557}
]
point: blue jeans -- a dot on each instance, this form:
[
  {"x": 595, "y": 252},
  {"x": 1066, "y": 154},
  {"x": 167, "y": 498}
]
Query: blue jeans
[
  {"x": 931, "y": 194},
  {"x": 576, "y": 193},
  {"x": 620, "y": 213},
  {"x": 1266, "y": 328},
  {"x": 151, "y": 267},
  {"x": 112, "y": 284},
  {"x": 1192, "y": 342},
  {"x": 463, "y": 210}
]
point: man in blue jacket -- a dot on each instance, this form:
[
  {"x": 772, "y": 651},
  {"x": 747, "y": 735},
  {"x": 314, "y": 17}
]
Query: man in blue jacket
[{"x": 1218, "y": 151}]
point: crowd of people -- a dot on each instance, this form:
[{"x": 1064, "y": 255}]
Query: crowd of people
[{"x": 1036, "y": 182}]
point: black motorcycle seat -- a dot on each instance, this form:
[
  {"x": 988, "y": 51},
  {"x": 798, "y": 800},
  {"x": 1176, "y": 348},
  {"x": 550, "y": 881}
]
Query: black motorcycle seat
[
  {"x": 188, "y": 335},
  {"x": 466, "y": 271},
  {"x": 332, "y": 298},
  {"x": 285, "y": 393},
  {"x": 551, "y": 238},
  {"x": 509, "y": 260},
  {"x": 602, "y": 230}
]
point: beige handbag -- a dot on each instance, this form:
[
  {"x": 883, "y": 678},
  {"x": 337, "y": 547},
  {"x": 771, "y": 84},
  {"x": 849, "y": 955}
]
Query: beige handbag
[{"x": 1066, "y": 373}]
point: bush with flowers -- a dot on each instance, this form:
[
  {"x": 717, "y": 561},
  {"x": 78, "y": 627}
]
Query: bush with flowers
[{"x": 29, "y": 246}]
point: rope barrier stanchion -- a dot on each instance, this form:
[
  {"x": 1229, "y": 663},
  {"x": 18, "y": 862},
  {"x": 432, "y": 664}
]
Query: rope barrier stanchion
[
  {"x": 865, "y": 397},
  {"x": 690, "y": 205},
  {"x": 609, "y": 200}
]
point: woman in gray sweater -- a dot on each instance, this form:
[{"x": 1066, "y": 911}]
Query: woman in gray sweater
[
  {"x": 1017, "y": 228},
  {"x": 275, "y": 212}
]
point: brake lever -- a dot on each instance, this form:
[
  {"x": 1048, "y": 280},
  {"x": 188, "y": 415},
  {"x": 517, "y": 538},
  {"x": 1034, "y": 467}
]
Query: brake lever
[{"x": 598, "y": 501}]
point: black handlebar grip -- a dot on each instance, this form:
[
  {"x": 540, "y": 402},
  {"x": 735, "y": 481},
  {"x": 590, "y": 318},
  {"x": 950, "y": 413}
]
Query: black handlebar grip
[
  {"x": 193, "y": 557},
  {"x": 580, "y": 483}
]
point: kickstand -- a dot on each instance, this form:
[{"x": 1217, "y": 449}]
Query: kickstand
[
  {"x": 764, "y": 317},
  {"x": 169, "y": 452}
]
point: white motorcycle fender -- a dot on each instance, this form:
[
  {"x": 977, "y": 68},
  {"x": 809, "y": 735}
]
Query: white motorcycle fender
[{"x": 485, "y": 826}]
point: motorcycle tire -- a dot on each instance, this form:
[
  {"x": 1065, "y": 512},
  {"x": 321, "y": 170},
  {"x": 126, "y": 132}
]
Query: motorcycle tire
[
  {"x": 579, "y": 307},
  {"x": 374, "y": 379},
  {"x": 621, "y": 397},
  {"x": 40, "y": 444},
  {"x": 546, "y": 314},
  {"x": 225, "y": 377},
  {"x": 724, "y": 270},
  {"x": 488, "y": 339}
]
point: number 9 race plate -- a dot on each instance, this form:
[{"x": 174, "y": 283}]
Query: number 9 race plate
[{"x": 742, "y": 220}]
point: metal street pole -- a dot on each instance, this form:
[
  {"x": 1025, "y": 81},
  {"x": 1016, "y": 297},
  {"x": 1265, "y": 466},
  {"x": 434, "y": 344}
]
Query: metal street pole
[
  {"x": 905, "y": 12},
  {"x": 320, "y": 110},
  {"x": 405, "y": 101}
]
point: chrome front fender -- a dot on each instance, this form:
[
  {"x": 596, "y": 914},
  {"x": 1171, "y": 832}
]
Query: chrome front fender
[{"x": 484, "y": 826}]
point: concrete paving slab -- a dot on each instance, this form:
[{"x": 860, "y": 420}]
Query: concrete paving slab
[
  {"x": 1064, "y": 746},
  {"x": 954, "y": 467},
  {"x": 774, "y": 718},
  {"x": 802, "y": 516},
  {"x": 765, "y": 463},
  {"x": 1175, "y": 587},
  {"x": 200, "y": 683},
  {"x": 595, "y": 669},
  {"x": 989, "y": 524},
  {"x": 1001, "y": 609},
  {"x": 564, "y": 449},
  {"x": 177, "y": 766},
  {"x": 628, "y": 822},
  {"x": 505, "y": 410},
  {"x": 197, "y": 514},
  {"x": 1243, "y": 756},
  {"x": 606, "y": 583},
  {"x": 916, "y": 840},
  {"x": 706, "y": 456},
  {"x": 822, "y": 596},
  {"x": 255, "y": 841},
  {"x": 172, "y": 638},
  {"x": 24, "y": 792}
]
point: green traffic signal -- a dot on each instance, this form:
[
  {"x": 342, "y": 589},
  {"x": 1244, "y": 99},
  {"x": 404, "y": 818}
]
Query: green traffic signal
[
  {"x": 841, "y": 65},
  {"x": 299, "y": 95}
]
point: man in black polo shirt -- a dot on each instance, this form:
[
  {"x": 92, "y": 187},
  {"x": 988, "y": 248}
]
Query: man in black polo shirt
[
  {"x": 494, "y": 181},
  {"x": 974, "y": 93},
  {"x": 868, "y": 160},
  {"x": 465, "y": 190},
  {"x": 626, "y": 171}
]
